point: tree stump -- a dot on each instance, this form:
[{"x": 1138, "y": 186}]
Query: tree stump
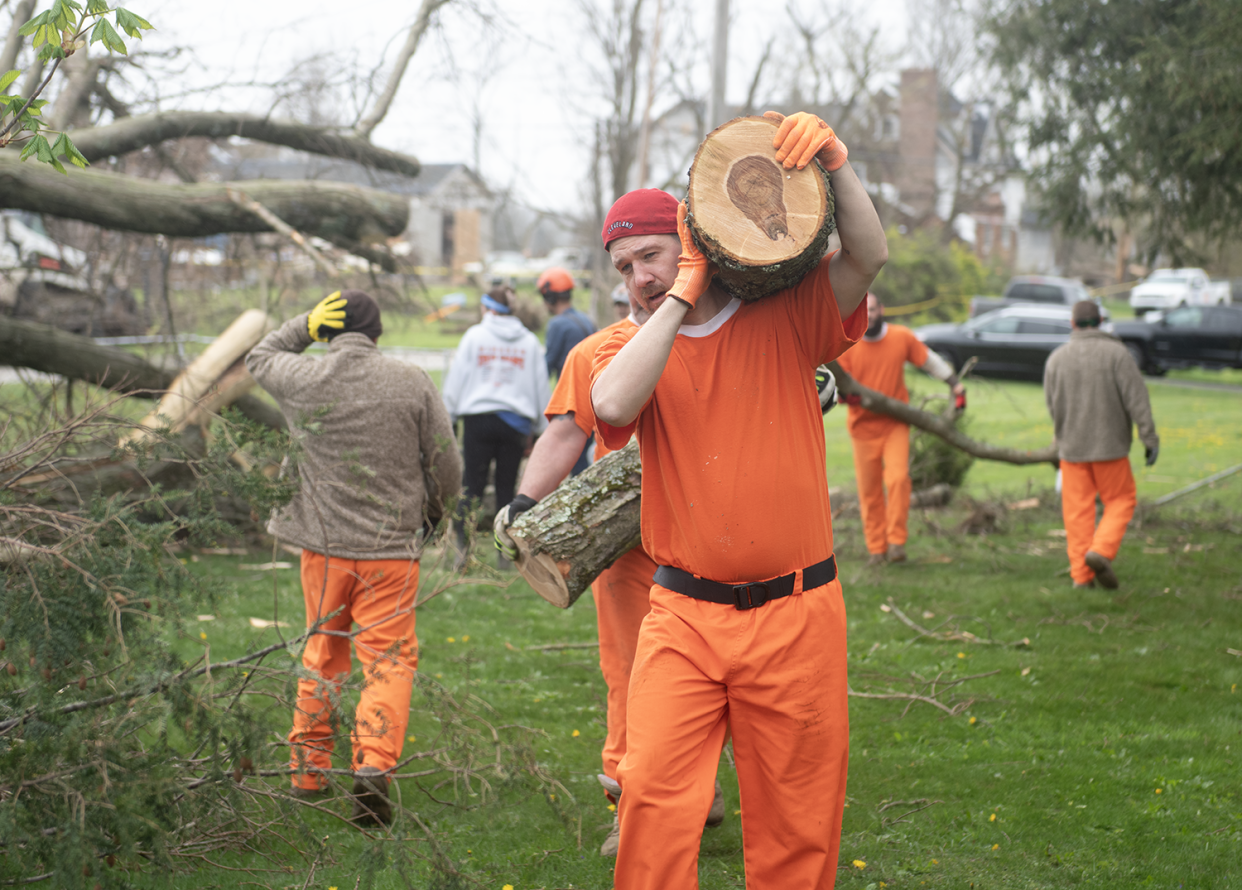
[
  {"x": 763, "y": 226},
  {"x": 581, "y": 528}
]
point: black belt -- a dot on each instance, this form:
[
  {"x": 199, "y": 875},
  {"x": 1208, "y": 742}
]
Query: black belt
[{"x": 744, "y": 596}]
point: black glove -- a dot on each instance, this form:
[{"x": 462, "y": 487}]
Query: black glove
[
  {"x": 504, "y": 518},
  {"x": 826, "y": 383},
  {"x": 1152, "y": 454}
]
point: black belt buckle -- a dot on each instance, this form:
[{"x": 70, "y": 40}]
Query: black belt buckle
[{"x": 744, "y": 595}]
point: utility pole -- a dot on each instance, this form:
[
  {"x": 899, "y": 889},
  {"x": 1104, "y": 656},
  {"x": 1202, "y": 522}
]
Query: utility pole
[{"x": 720, "y": 63}]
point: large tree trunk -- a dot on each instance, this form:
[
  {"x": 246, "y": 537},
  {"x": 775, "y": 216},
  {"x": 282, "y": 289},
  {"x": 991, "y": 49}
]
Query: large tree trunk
[
  {"x": 132, "y": 133},
  {"x": 344, "y": 214},
  {"x": 581, "y": 528},
  {"x": 25, "y": 344},
  {"x": 763, "y": 226}
]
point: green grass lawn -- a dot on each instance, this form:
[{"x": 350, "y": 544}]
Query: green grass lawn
[{"x": 1101, "y": 752}]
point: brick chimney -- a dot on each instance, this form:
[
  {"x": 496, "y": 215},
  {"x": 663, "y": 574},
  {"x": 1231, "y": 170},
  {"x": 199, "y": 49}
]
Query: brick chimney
[{"x": 920, "y": 105}]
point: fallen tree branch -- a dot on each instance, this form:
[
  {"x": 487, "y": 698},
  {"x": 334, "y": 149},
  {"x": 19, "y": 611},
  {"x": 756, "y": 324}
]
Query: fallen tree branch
[
  {"x": 936, "y": 424},
  {"x": 140, "y": 130},
  {"x": 953, "y": 636},
  {"x": 241, "y": 199}
]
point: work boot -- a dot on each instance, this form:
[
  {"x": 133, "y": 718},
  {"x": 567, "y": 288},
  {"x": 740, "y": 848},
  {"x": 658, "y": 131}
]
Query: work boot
[
  {"x": 1103, "y": 568},
  {"x": 611, "y": 843},
  {"x": 371, "y": 803},
  {"x": 877, "y": 559},
  {"x": 716, "y": 814},
  {"x": 896, "y": 552},
  {"x": 308, "y": 794}
]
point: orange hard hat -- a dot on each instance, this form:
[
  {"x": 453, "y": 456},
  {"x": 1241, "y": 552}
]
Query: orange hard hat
[{"x": 554, "y": 280}]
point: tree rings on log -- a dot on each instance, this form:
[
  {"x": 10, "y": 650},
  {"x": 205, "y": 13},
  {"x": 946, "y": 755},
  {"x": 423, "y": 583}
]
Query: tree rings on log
[
  {"x": 763, "y": 226},
  {"x": 581, "y": 528}
]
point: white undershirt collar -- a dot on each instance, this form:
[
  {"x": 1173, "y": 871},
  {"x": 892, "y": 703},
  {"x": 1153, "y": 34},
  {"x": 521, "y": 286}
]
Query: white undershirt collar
[{"x": 712, "y": 325}]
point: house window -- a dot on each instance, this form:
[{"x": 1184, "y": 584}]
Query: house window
[{"x": 448, "y": 234}]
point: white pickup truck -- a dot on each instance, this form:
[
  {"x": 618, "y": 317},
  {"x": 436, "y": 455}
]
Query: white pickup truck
[{"x": 1170, "y": 288}]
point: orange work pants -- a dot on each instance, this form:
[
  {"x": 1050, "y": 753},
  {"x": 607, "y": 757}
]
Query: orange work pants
[
  {"x": 622, "y": 600},
  {"x": 776, "y": 676},
  {"x": 880, "y": 463},
  {"x": 1113, "y": 481},
  {"x": 378, "y": 595}
]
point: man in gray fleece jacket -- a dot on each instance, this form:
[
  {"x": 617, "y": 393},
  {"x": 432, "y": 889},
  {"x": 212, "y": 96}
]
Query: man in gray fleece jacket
[
  {"x": 1096, "y": 395},
  {"x": 377, "y": 464}
]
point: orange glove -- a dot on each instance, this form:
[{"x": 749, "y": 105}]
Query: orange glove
[
  {"x": 694, "y": 272},
  {"x": 803, "y": 136}
]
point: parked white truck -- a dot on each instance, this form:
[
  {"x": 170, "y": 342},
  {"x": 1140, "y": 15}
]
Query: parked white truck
[{"x": 1169, "y": 288}]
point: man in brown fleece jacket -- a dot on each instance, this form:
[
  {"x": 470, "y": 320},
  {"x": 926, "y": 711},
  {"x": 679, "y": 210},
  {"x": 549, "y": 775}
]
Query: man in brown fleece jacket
[
  {"x": 377, "y": 464},
  {"x": 1096, "y": 396}
]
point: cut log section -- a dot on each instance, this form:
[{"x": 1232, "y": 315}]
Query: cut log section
[
  {"x": 214, "y": 379},
  {"x": 763, "y": 226},
  {"x": 581, "y": 528}
]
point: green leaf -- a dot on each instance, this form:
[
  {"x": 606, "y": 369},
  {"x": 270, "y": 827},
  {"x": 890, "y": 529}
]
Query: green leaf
[
  {"x": 96, "y": 7},
  {"x": 131, "y": 24},
  {"x": 104, "y": 33},
  {"x": 8, "y": 79},
  {"x": 43, "y": 18},
  {"x": 37, "y": 146},
  {"x": 64, "y": 146},
  {"x": 51, "y": 49}
]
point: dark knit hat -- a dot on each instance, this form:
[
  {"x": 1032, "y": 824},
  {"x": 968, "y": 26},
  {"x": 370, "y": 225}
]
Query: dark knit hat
[
  {"x": 362, "y": 316},
  {"x": 1086, "y": 314},
  {"x": 641, "y": 212}
]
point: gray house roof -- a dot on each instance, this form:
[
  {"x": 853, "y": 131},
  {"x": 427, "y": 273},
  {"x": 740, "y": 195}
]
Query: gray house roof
[{"x": 333, "y": 170}]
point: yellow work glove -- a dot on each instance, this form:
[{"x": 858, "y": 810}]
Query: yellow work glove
[
  {"x": 694, "y": 272},
  {"x": 330, "y": 313},
  {"x": 802, "y": 136}
]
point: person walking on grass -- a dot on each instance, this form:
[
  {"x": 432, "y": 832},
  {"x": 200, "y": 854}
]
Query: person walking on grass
[
  {"x": 881, "y": 443},
  {"x": 746, "y": 632},
  {"x": 498, "y": 386},
  {"x": 1096, "y": 395},
  {"x": 377, "y": 466}
]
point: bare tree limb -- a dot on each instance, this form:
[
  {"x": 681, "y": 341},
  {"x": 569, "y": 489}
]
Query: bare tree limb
[
  {"x": 241, "y": 199},
  {"x": 413, "y": 37},
  {"x": 141, "y": 130},
  {"x": 935, "y": 424},
  {"x": 343, "y": 214}
]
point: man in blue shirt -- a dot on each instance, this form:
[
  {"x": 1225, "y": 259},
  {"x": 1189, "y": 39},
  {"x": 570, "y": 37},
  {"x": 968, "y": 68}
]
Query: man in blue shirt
[{"x": 567, "y": 327}]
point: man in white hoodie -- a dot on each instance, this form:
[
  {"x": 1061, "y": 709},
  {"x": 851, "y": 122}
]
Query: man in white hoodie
[{"x": 498, "y": 386}]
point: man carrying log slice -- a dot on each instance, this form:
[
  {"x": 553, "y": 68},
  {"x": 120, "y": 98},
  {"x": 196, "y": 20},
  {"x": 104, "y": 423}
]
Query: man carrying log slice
[
  {"x": 747, "y": 624},
  {"x": 621, "y": 591},
  {"x": 378, "y": 464},
  {"x": 882, "y": 444}
]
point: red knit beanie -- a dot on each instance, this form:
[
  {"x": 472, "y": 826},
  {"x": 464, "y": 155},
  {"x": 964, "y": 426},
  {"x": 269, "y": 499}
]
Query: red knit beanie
[{"x": 641, "y": 212}]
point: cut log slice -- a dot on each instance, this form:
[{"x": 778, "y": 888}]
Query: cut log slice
[
  {"x": 581, "y": 528},
  {"x": 763, "y": 226}
]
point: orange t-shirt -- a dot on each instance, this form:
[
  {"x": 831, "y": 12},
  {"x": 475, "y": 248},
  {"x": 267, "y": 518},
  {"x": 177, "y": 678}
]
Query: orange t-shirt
[
  {"x": 573, "y": 387},
  {"x": 732, "y": 439},
  {"x": 881, "y": 365}
]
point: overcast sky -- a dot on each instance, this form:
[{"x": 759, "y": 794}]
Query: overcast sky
[{"x": 535, "y": 136}]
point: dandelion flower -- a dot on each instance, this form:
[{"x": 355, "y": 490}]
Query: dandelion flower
[
  {"x": 935, "y": 862},
  {"x": 507, "y": 887},
  {"x": 450, "y": 639},
  {"x": 411, "y": 738},
  {"x": 858, "y": 863},
  {"x": 961, "y": 655},
  {"x": 1159, "y": 790},
  {"x": 992, "y": 818},
  {"x": 995, "y": 846},
  {"x": 612, "y": 807},
  {"x": 974, "y": 720},
  {"x": 202, "y": 636},
  {"x": 465, "y": 638},
  {"x": 575, "y": 733}
]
